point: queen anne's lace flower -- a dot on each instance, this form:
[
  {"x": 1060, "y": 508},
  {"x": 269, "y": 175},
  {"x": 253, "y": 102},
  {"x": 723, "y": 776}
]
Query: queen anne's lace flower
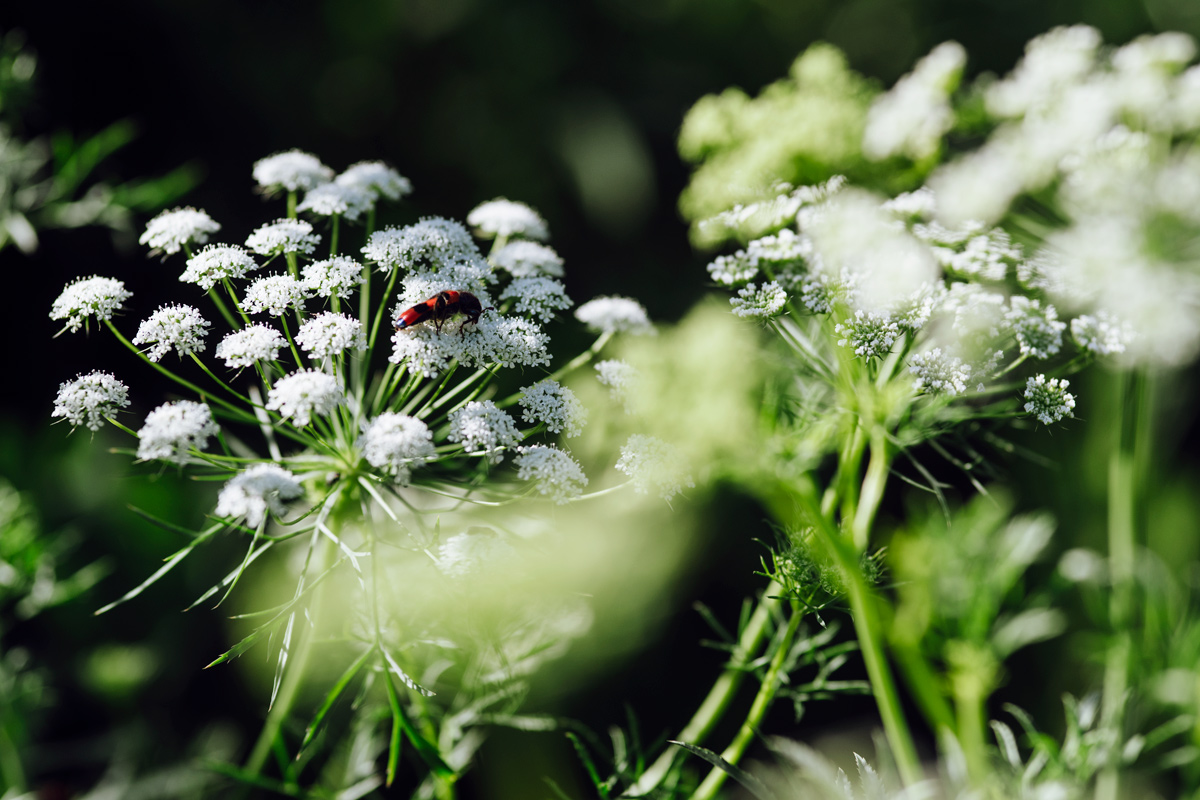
[
  {"x": 90, "y": 398},
  {"x": 216, "y": 263},
  {"x": 253, "y": 343},
  {"x": 430, "y": 244},
  {"x": 508, "y": 341},
  {"x": 334, "y": 277},
  {"x": 1038, "y": 331},
  {"x": 329, "y": 334},
  {"x": 654, "y": 464},
  {"x": 869, "y": 334},
  {"x": 86, "y": 297},
  {"x": 293, "y": 170},
  {"x": 283, "y": 236},
  {"x": 507, "y": 218},
  {"x": 911, "y": 119},
  {"x": 1101, "y": 333},
  {"x": 274, "y": 294},
  {"x": 525, "y": 259},
  {"x": 261, "y": 488},
  {"x": 733, "y": 269},
  {"x": 754, "y": 301},
  {"x": 987, "y": 256},
  {"x": 174, "y": 428},
  {"x": 939, "y": 373},
  {"x": 537, "y": 297},
  {"x": 484, "y": 429},
  {"x": 554, "y": 404},
  {"x": 177, "y": 326},
  {"x": 344, "y": 200},
  {"x": 620, "y": 378},
  {"x": 556, "y": 474},
  {"x": 173, "y": 230},
  {"x": 302, "y": 394},
  {"x": 1048, "y": 400},
  {"x": 614, "y": 314},
  {"x": 479, "y": 548},
  {"x": 395, "y": 443},
  {"x": 377, "y": 178}
]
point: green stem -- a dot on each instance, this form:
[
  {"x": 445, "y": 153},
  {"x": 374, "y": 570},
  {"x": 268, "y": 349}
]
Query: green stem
[
  {"x": 758, "y": 711},
  {"x": 722, "y": 692},
  {"x": 872, "y": 490}
]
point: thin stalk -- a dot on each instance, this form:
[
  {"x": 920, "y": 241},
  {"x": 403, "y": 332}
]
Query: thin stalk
[{"x": 758, "y": 711}]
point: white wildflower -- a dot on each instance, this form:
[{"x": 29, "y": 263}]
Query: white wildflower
[
  {"x": 395, "y": 443},
  {"x": 292, "y": 170},
  {"x": 550, "y": 402},
  {"x": 620, "y": 378},
  {"x": 987, "y": 256},
  {"x": 253, "y": 343},
  {"x": 479, "y": 548},
  {"x": 654, "y": 464},
  {"x": 86, "y": 297},
  {"x": 484, "y": 429},
  {"x": 261, "y": 488},
  {"x": 507, "y": 341},
  {"x": 911, "y": 119},
  {"x": 555, "y": 473},
  {"x": 753, "y": 301},
  {"x": 1048, "y": 400},
  {"x": 974, "y": 311},
  {"x": 1038, "y": 331},
  {"x": 525, "y": 259},
  {"x": 537, "y": 297},
  {"x": 174, "y": 428},
  {"x": 376, "y": 177},
  {"x": 919, "y": 204},
  {"x": 176, "y": 326},
  {"x": 939, "y": 373},
  {"x": 1101, "y": 333},
  {"x": 217, "y": 263},
  {"x": 90, "y": 398},
  {"x": 1053, "y": 62},
  {"x": 733, "y": 269},
  {"x": 912, "y": 314},
  {"x": 283, "y": 236},
  {"x": 328, "y": 334},
  {"x": 330, "y": 199},
  {"x": 171, "y": 231},
  {"x": 505, "y": 218},
  {"x": 274, "y": 294},
  {"x": 870, "y": 334},
  {"x": 821, "y": 292},
  {"x": 304, "y": 393},
  {"x": 334, "y": 277},
  {"x": 614, "y": 314},
  {"x": 430, "y": 244}
]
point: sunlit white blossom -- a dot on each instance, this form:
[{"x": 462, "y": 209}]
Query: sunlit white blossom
[
  {"x": 522, "y": 258},
  {"x": 939, "y": 373},
  {"x": 754, "y": 301},
  {"x": 974, "y": 311},
  {"x": 283, "y": 236},
  {"x": 916, "y": 205},
  {"x": 396, "y": 443},
  {"x": 613, "y": 315},
  {"x": 912, "y": 313},
  {"x": 376, "y": 177},
  {"x": 172, "y": 230},
  {"x": 557, "y": 406},
  {"x": 89, "y": 399},
  {"x": 821, "y": 292},
  {"x": 620, "y": 378},
  {"x": 339, "y": 199},
  {"x": 988, "y": 256},
  {"x": 1053, "y": 61},
  {"x": 261, "y": 488},
  {"x": 87, "y": 297},
  {"x": 216, "y": 263},
  {"x": 1038, "y": 331},
  {"x": 654, "y": 465},
  {"x": 1048, "y": 400},
  {"x": 337, "y": 277},
  {"x": 302, "y": 394},
  {"x": 869, "y": 334},
  {"x": 507, "y": 218},
  {"x": 172, "y": 429},
  {"x": 328, "y": 334},
  {"x": 484, "y": 429},
  {"x": 1101, "y": 333},
  {"x": 253, "y": 343},
  {"x": 553, "y": 471},
  {"x": 274, "y": 294},
  {"x": 733, "y": 269},
  {"x": 478, "y": 549},
  {"x": 292, "y": 170},
  {"x": 176, "y": 326},
  {"x": 912, "y": 117},
  {"x": 508, "y": 341},
  {"x": 537, "y": 297},
  {"x": 430, "y": 244}
]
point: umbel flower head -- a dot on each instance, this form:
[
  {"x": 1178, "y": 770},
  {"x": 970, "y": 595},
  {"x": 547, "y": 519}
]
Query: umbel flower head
[
  {"x": 302, "y": 394},
  {"x": 506, "y": 218},
  {"x": 216, "y": 263},
  {"x": 328, "y": 334},
  {"x": 377, "y": 178},
  {"x": 173, "y": 429},
  {"x": 553, "y": 472},
  {"x": 173, "y": 230},
  {"x": 293, "y": 170},
  {"x": 283, "y": 236},
  {"x": 261, "y": 488},
  {"x": 88, "y": 297},
  {"x": 90, "y": 398},
  {"x": 613, "y": 314},
  {"x": 250, "y": 345},
  {"x": 175, "y": 327},
  {"x": 395, "y": 443}
]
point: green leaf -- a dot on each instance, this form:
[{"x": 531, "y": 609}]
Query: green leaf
[
  {"x": 332, "y": 697},
  {"x": 589, "y": 765},
  {"x": 426, "y": 749},
  {"x": 752, "y": 784},
  {"x": 163, "y": 570}
]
